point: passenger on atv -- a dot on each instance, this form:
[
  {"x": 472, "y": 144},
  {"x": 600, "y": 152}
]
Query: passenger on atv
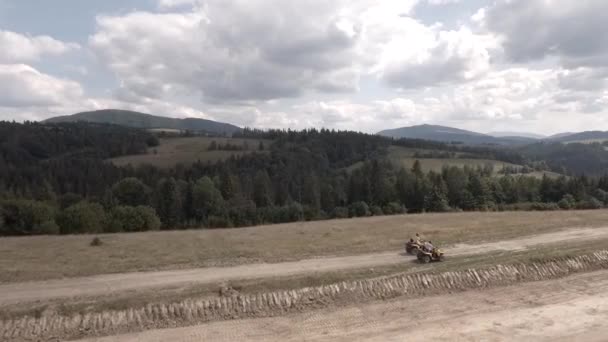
[{"x": 428, "y": 246}]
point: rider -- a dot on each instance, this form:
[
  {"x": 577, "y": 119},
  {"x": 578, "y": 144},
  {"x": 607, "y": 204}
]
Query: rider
[
  {"x": 418, "y": 239},
  {"x": 429, "y": 246}
]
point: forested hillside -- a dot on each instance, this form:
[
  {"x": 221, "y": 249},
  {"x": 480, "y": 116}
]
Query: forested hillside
[
  {"x": 573, "y": 158},
  {"x": 54, "y": 179},
  {"x": 147, "y": 121}
]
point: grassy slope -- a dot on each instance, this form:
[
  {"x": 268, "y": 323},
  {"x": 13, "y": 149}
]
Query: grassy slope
[
  {"x": 404, "y": 157},
  {"x": 48, "y": 257},
  {"x": 173, "y": 151}
]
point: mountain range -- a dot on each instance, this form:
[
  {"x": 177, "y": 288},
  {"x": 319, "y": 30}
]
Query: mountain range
[
  {"x": 147, "y": 121},
  {"x": 450, "y": 134},
  {"x": 425, "y": 132}
]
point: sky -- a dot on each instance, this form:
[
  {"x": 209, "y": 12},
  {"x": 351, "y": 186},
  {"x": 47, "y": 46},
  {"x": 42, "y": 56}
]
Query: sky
[{"x": 486, "y": 65}]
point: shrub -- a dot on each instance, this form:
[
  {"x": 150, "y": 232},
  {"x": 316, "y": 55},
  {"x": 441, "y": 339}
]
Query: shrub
[
  {"x": 289, "y": 213},
  {"x": 96, "y": 242},
  {"x": 340, "y": 212},
  {"x": 393, "y": 208},
  {"x": 219, "y": 222},
  {"x": 359, "y": 209},
  {"x": 68, "y": 200},
  {"x": 83, "y": 217},
  {"x": 48, "y": 228},
  {"x": 310, "y": 213},
  {"x": 544, "y": 206},
  {"x": 26, "y": 217},
  {"x": 567, "y": 202},
  {"x": 589, "y": 203},
  {"x": 376, "y": 210},
  {"x": 529, "y": 206},
  {"x": 133, "y": 219}
]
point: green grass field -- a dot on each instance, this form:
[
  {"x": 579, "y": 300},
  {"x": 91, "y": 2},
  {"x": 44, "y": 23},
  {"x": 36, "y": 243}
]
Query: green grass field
[
  {"x": 406, "y": 157},
  {"x": 174, "y": 151}
]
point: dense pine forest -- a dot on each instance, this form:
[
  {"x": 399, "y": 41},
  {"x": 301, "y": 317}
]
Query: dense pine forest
[{"x": 55, "y": 179}]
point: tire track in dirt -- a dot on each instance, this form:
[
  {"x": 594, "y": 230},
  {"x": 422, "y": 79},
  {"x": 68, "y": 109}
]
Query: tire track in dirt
[
  {"x": 112, "y": 283},
  {"x": 567, "y": 309}
]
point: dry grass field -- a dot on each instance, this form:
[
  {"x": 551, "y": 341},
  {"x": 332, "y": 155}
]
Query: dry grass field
[
  {"x": 51, "y": 257},
  {"x": 174, "y": 151},
  {"x": 166, "y": 295}
]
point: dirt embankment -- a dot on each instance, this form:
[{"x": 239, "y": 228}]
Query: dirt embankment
[
  {"x": 107, "y": 284},
  {"x": 282, "y": 302},
  {"x": 564, "y": 310}
]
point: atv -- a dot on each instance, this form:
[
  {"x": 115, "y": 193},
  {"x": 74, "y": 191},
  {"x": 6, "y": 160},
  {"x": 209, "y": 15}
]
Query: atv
[
  {"x": 412, "y": 247},
  {"x": 425, "y": 256}
]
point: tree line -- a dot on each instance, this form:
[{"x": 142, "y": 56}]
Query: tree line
[{"x": 68, "y": 188}]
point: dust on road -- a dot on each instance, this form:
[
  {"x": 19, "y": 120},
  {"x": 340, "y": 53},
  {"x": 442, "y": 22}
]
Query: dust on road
[
  {"x": 112, "y": 283},
  {"x": 570, "y": 309}
]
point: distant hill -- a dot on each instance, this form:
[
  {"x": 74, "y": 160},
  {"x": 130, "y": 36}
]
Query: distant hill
[
  {"x": 517, "y": 134},
  {"x": 583, "y": 137},
  {"x": 450, "y": 134},
  {"x": 147, "y": 121},
  {"x": 560, "y": 135}
]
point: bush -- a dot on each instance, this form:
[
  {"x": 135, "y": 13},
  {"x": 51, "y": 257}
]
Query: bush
[
  {"x": 48, "y": 228},
  {"x": 26, "y": 217},
  {"x": 340, "y": 212},
  {"x": 567, "y": 202},
  {"x": 376, "y": 210},
  {"x": 589, "y": 203},
  {"x": 219, "y": 222},
  {"x": 359, "y": 209},
  {"x": 83, "y": 217},
  {"x": 529, "y": 206},
  {"x": 310, "y": 213},
  {"x": 96, "y": 242},
  {"x": 131, "y": 192},
  {"x": 133, "y": 219},
  {"x": 69, "y": 200},
  {"x": 537, "y": 206},
  {"x": 289, "y": 213},
  {"x": 393, "y": 208}
]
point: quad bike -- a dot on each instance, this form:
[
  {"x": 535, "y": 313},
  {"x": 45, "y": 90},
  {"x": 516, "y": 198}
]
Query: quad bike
[
  {"x": 412, "y": 247},
  {"x": 425, "y": 256}
]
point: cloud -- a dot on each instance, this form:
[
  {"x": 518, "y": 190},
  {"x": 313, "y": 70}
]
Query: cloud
[
  {"x": 442, "y": 2},
  {"x": 224, "y": 52},
  {"x": 19, "y": 48},
  {"x": 572, "y": 31},
  {"x": 24, "y": 86},
  {"x": 444, "y": 57},
  {"x": 242, "y": 52},
  {"x": 172, "y": 4}
]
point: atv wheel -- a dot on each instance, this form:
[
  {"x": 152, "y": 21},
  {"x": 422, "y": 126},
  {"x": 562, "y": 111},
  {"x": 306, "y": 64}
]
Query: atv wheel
[
  {"x": 425, "y": 259},
  {"x": 413, "y": 250},
  {"x": 441, "y": 258}
]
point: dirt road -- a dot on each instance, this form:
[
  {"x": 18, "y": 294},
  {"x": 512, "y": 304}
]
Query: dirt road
[
  {"x": 111, "y": 283},
  {"x": 569, "y": 309}
]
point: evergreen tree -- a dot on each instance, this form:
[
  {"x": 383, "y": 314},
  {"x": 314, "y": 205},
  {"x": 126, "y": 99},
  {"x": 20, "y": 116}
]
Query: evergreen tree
[
  {"x": 169, "y": 203},
  {"x": 262, "y": 193},
  {"x": 436, "y": 200},
  {"x": 311, "y": 192},
  {"x": 206, "y": 199}
]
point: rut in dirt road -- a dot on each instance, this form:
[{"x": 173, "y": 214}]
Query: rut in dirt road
[{"x": 107, "y": 284}]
